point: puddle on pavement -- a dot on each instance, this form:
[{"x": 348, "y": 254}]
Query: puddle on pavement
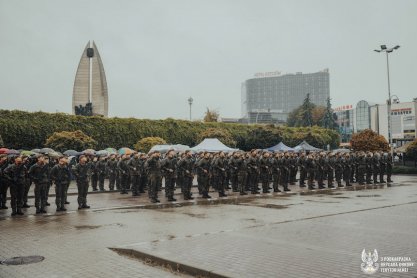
[
  {"x": 87, "y": 227},
  {"x": 196, "y": 215},
  {"x": 274, "y": 206},
  {"x": 322, "y": 201},
  {"x": 369, "y": 195}
]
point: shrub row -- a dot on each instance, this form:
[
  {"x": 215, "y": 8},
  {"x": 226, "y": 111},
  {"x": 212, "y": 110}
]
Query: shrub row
[{"x": 25, "y": 130}]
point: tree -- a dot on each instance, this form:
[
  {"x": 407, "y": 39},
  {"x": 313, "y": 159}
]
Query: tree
[
  {"x": 306, "y": 115},
  {"x": 1, "y": 142},
  {"x": 145, "y": 144},
  {"x": 70, "y": 140},
  {"x": 368, "y": 140},
  {"x": 222, "y": 134},
  {"x": 317, "y": 115},
  {"x": 211, "y": 116},
  {"x": 306, "y": 112},
  {"x": 263, "y": 137},
  {"x": 411, "y": 150},
  {"x": 328, "y": 119}
]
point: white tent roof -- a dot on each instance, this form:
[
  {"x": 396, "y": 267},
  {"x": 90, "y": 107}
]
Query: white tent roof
[
  {"x": 165, "y": 148},
  {"x": 304, "y": 146},
  {"x": 212, "y": 145}
]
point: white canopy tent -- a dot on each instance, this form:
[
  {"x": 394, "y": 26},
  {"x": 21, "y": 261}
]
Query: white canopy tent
[
  {"x": 165, "y": 148},
  {"x": 212, "y": 145},
  {"x": 304, "y": 146}
]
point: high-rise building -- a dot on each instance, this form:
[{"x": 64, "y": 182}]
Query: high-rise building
[
  {"x": 271, "y": 96},
  {"x": 90, "y": 95}
]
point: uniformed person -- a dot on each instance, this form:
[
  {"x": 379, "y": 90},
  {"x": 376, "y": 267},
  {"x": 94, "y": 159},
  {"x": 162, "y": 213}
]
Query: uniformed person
[
  {"x": 276, "y": 171},
  {"x": 153, "y": 168},
  {"x": 112, "y": 171},
  {"x": 186, "y": 168},
  {"x": 134, "y": 169},
  {"x": 389, "y": 167},
  {"x": 169, "y": 170},
  {"x": 61, "y": 176},
  {"x": 101, "y": 170},
  {"x": 346, "y": 162},
  {"x": 82, "y": 173},
  {"x": 124, "y": 172},
  {"x": 39, "y": 173},
  {"x": 16, "y": 173},
  {"x": 203, "y": 172},
  {"x": 264, "y": 167},
  {"x": 338, "y": 169},
  {"x": 94, "y": 173},
  {"x": 4, "y": 182}
]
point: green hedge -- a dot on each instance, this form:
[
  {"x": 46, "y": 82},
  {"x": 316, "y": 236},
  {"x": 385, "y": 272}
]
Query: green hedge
[
  {"x": 404, "y": 170},
  {"x": 25, "y": 130}
]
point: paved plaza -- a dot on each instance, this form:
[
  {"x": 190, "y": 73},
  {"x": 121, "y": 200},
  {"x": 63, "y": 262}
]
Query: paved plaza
[{"x": 303, "y": 233}]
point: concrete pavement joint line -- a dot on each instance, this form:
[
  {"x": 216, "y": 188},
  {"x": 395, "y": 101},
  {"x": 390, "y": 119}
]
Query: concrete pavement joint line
[
  {"x": 168, "y": 264},
  {"x": 334, "y": 214}
]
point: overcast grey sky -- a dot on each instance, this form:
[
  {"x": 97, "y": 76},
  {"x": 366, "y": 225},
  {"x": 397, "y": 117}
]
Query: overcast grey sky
[{"x": 158, "y": 53}]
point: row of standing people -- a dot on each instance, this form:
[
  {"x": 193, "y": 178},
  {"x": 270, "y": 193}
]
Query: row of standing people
[{"x": 244, "y": 171}]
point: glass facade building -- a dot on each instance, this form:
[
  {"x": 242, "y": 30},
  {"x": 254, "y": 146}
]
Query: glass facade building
[
  {"x": 269, "y": 99},
  {"x": 363, "y": 116}
]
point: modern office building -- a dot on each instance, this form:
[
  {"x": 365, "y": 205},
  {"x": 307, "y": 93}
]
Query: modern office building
[
  {"x": 366, "y": 115},
  {"x": 403, "y": 121},
  {"x": 90, "y": 95},
  {"x": 270, "y": 97}
]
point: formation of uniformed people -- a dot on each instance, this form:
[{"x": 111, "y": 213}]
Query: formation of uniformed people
[{"x": 238, "y": 171}]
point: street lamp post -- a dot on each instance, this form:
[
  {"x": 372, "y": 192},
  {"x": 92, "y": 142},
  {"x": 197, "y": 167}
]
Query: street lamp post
[
  {"x": 190, "y": 102},
  {"x": 387, "y": 50}
]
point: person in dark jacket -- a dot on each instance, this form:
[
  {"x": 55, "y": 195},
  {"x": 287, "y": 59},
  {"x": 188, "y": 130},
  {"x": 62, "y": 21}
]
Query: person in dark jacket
[
  {"x": 82, "y": 173},
  {"x": 39, "y": 173},
  {"x": 16, "y": 174},
  {"x": 61, "y": 176}
]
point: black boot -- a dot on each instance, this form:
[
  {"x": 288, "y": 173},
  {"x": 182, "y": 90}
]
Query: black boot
[
  {"x": 38, "y": 210},
  {"x": 25, "y": 205},
  {"x": 19, "y": 211},
  {"x": 14, "y": 211}
]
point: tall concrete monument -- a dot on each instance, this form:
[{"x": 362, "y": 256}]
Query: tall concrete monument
[{"x": 90, "y": 95}]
